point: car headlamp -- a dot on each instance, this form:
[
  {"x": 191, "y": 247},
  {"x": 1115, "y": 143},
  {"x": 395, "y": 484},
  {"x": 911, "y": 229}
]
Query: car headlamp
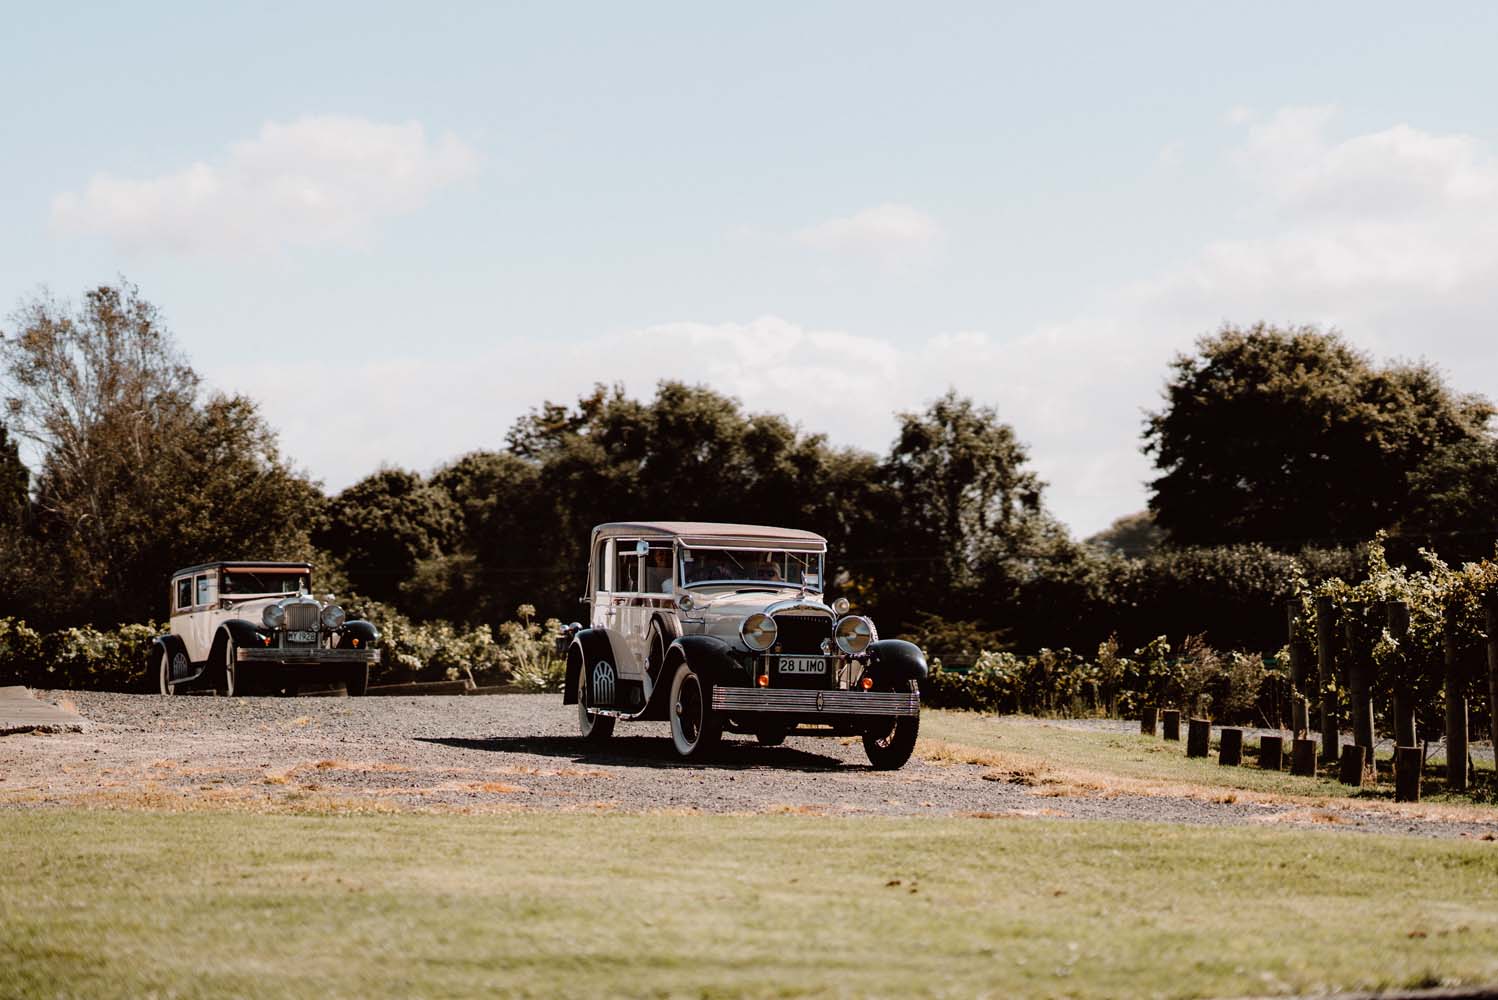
[
  {"x": 332, "y": 616},
  {"x": 686, "y": 601},
  {"x": 854, "y": 633},
  {"x": 759, "y": 631},
  {"x": 273, "y": 616}
]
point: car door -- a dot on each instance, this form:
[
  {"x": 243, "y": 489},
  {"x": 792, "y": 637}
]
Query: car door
[
  {"x": 632, "y": 617},
  {"x": 200, "y": 633}
]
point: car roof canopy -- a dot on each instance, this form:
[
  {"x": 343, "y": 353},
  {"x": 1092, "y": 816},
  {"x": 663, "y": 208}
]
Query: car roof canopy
[
  {"x": 706, "y": 534},
  {"x": 246, "y": 564}
]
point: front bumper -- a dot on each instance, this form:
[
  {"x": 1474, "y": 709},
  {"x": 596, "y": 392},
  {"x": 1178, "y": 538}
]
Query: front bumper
[
  {"x": 788, "y": 701},
  {"x": 306, "y": 657}
]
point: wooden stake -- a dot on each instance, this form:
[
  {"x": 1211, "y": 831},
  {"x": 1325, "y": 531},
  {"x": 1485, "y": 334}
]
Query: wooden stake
[
  {"x": 1360, "y": 681},
  {"x": 1299, "y": 711},
  {"x": 1198, "y": 738},
  {"x": 1352, "y": 769},
  {"x": 1303, "y": 758},
  {"x": 1408, "y": 762},
  {"x": 1272, "y": 753},
  {"x": 1326, "y": 676},
  {"x": 1230, "y": 747},
  {"x": 1456, "y": 717},
  {"x": 1490, "y": 609},
  {"x": 1170, "y": 720},
  {"x": 1398, "y": 622},
  {"x": 1147, "y": 721}
]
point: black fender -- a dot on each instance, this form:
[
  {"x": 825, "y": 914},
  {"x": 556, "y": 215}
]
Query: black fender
[
  {"x": 894, "y": 662},
  {"x": 709, "y": 657},
  {"x": 588, "y": 647},
  {"x": 245, "y": 634},
  {"x": 366, "y": 632},
  {"x": 169, "y": 646}
]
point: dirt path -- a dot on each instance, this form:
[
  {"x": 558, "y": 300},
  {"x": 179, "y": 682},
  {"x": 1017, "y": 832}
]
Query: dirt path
[{"x": 520, "y": 752}]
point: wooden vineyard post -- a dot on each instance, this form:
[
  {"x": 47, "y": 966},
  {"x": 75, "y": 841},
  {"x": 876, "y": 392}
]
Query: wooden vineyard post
[
  {"x": 1198, "y": 738},
  {"x": 1303, "y": 758},
  {"x": 1359, "y": 681},
  {"x": 1490, "y": 614},
  {"x": 1325, "y": 678},
  {"x": 1170, "y": 722},
  {"x": 1352, "y": 769},
  {"x": 1456, "y": 716},
  {"x": 1272, "y": 753},
  {"x": 1147, "y": 721},
  {"x": 1299, "y": 710},
  {"x": 1397, "y": 616},
  {"x": 1230, "y": 747},
  {"x": 1407, "y": 764}
]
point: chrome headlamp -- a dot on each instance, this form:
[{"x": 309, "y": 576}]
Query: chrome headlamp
[
  {"x": 854, "y": 633},
  {"x": 274, "y": 616},
  {"x": 332, "y": 616},
  {"x": 759, "y": 631},
  {"x": 685, "y": 601}
]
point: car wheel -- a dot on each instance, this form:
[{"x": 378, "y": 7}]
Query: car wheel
[
  {"x": 231, "y": 681},
  {"x": 163, "y": 669},
  {"x": 770, "y": 737},
  {"x": 594, "y": 727},
  {"x": 357, "y": 681},
  {"x": 695, "y": 727},
  {"x": 891, "y": 744}
]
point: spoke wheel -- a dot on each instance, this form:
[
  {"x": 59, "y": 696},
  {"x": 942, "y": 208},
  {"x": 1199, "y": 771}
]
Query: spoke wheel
[
  {"x": 695, "y": 728},
  {"x": 231, "y": 681},
  {"x": 164, "y": 668},
  {"x": 594, "y": 727}
]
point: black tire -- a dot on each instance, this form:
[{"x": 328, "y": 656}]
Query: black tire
[
  {"x": 163, "y": 673},
  {"x": 696, "y": 729},
  {"x": 889, "y": 748},
  {"x": 770, "y": 737},
  {"x": 594, "y": 728},
  {"x": 356, "y": 680},
  {"x": 230, "y": 678}
]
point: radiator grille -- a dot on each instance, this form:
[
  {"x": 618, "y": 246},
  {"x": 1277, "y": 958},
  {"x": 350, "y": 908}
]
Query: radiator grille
[
  {"x": 301, "y": 617},
  {"x": 802, "y": 633}
]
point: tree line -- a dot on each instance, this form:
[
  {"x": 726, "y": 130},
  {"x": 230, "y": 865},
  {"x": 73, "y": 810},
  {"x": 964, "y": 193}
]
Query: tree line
[{"x": 1278, "y": 450}]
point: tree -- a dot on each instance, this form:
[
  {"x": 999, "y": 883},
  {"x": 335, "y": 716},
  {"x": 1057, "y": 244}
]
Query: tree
[
  {"x": 136, "y": 476},
  {"x": 1290, "y": 436},
  {"x": 966, "y": 507},
  {"x": 1134, "y": 534},
  {"x": 1453, "y": 502},
  {"x": 383, "y": 526}
]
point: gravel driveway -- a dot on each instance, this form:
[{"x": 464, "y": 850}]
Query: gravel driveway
[{"x": 521, "y": 752}]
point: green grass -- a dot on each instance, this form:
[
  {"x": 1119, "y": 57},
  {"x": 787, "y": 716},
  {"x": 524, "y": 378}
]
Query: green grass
[
  {"x": 212, "y": 904},
  {"x": 1067, "y": 750}
]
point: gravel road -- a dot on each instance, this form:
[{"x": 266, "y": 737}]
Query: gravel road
[{"x": 521, "y": 752}]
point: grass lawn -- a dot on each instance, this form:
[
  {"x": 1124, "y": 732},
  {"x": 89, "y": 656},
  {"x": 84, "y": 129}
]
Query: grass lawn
[
  {"x": 1059, "y": 753},
  {"x": 211, "y": 904}
]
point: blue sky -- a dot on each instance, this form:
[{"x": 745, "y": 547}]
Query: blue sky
[{"x": 399, "y": 227}]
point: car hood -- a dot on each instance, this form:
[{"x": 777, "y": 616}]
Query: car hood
[{"x": 721, "y": 613}]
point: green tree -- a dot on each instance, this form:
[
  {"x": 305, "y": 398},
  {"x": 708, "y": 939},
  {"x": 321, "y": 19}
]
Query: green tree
[
  {"x": 1134, "y": 534},
  {"x": 137, "y": 477},
  {"x": 382, "y": 527},
  {"x": 1291, "y": 436}
]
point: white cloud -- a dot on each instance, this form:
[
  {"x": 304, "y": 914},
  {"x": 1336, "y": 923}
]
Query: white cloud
[
  {"x": 890, "y": 233},
  {"x": 1392, "y": 235},
  {"x": 315, "y": 180}
]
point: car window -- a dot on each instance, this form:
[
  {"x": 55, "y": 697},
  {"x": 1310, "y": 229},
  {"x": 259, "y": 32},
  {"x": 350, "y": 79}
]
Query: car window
[
  {"x": 658, "y": 568},
  {"x": 184, "y": 593},
  {"x": 626, "y": 567},
  {"x": 265, "y": 581},
  {"x": 601, "y": 561},
  {"x": 202, "y": 590}
]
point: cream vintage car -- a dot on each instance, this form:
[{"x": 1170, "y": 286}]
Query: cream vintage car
[
  {"x": 725, "y": 627},
  {"x": 238, "y": 627}
]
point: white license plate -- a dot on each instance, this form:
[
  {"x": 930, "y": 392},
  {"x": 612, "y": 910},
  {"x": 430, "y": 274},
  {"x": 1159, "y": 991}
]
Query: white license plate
[
  {"x": 301, "y": 636},
  {"x": 802, "y": 665}
]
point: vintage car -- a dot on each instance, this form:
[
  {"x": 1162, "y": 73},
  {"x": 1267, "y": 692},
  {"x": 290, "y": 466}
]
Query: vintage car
[
  {"x": 243, "y": 626},
  {"x": 717, "y": 627}
]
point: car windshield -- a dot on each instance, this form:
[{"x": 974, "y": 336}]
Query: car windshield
[
  {"x": 265, "y": 581},
  {"x": 773, "y": 566}
]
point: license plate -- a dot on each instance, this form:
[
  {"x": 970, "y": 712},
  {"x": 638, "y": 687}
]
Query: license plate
[
  {"x": 802, "y": 665},
  {"x": 301, "y": 636}
]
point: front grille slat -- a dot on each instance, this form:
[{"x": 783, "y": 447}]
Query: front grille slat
[
  {"x": 802, "y": 633},
  {"x": 301, "y": 617}
]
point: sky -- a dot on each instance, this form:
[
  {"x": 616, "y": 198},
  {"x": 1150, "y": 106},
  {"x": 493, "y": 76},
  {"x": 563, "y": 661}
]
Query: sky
[{"x": 399, "y": 228}]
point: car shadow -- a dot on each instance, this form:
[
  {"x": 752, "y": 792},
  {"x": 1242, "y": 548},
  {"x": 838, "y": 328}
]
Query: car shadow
[{"x": 651, "y": 751}]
